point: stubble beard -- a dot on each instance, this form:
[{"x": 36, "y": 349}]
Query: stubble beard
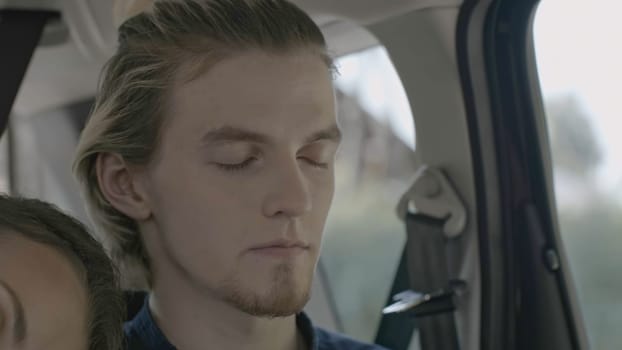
[{"x": 285, "y": 296}]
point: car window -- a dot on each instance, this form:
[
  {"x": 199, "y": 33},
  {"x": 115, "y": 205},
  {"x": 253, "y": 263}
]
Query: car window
[
  {"x": 579, "y": 57},
  {"x": 364, "y": 238}
]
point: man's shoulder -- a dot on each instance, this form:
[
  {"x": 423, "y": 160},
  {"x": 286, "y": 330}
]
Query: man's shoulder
[
  {"x": 132, "y": 337},
  {"x": 142, "y": 333},
  {"x": 333, "y": 341}
]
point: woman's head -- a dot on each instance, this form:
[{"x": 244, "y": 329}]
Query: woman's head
[{"x": 58, "y": 289}]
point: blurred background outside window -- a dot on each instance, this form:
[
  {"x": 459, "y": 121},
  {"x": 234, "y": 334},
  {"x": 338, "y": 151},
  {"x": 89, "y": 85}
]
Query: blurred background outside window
[{"x": 579, "y": 56}]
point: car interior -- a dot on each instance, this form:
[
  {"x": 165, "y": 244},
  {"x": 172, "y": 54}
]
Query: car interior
[{"x": 479, "y": 189}]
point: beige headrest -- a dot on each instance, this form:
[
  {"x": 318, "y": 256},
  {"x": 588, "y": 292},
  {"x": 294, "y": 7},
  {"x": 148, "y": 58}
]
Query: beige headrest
[{"x": 124, "y": 9}]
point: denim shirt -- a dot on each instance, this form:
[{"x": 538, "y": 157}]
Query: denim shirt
[{"x": 142, "y": 333}]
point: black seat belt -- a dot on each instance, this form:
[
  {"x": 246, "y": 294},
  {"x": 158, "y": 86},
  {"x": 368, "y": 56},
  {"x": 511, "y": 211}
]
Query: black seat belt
[
  {"x": 20, "y": 31},
  {"x": 396, "y": 330},
  {"x": 423, "y": 292}
]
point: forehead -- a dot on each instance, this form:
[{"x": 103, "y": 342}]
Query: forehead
[
  {"x": 29, "y": 254},
  {"x": 258, "y": 90},
  {"x": 49, "y": 288}
]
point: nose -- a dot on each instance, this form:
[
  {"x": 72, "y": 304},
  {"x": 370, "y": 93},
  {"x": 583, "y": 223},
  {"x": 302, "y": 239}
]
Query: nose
[{"x": 288, "y": 194}]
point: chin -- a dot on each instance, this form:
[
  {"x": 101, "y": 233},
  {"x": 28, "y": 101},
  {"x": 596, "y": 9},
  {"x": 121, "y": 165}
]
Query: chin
[{"x": 285, "y": 295}]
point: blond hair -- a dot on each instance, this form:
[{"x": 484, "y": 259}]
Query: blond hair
[{"x": 156, "y": 46}]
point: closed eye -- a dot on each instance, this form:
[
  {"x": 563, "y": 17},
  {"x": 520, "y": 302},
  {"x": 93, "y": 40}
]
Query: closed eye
[
  {"x": 313, "y": 163},
  {"x": 237, "y": 166}
]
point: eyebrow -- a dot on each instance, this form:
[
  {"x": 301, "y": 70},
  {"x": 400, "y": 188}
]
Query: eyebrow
[
  {"x": 19, "y": 329},
  {"x": 227, "y": 134},
  {"x": 332, "y": 133}
]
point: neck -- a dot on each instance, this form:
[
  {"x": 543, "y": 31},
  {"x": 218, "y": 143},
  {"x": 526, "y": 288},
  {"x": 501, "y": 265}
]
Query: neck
[{"x": 191, "y": 320}]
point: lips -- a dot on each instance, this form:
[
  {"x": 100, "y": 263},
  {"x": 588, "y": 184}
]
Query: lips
[{"x": 280, "y": 248}]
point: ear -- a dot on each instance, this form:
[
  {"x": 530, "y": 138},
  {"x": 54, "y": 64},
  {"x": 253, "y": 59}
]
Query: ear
[
  {"x": 122, "y": 187},
  {"x": 7, "y": 318}
]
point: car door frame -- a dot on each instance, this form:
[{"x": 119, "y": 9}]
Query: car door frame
[{"x": 529, "y": 298}]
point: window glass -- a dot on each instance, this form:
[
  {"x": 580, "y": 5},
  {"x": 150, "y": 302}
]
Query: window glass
[
  {"x": 364, "y": 238},
  {"x": 579, "y": 56},
  {"x": 4, "y": 163}
]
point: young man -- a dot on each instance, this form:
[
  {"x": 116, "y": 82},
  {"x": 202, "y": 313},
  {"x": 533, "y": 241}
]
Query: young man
[
  {"x": 208, "y": 163},
  {"x": 58, "y": 289}
]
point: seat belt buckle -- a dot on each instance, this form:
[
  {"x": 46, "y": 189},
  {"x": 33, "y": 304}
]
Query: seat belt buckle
[{"x": 418, "y": 304}]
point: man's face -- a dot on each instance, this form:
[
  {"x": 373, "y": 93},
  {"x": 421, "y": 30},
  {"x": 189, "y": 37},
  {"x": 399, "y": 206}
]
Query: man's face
[
  {"x": 43, "y": 303},
  {"x": 243, "y": 181}
]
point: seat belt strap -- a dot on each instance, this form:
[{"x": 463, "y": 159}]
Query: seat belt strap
[
  {"x": 432, "y": 218},
  {"x": 427, "y": 267},
  {"x": 423, "y": 267},
  {"x": 395, "y": 331}
]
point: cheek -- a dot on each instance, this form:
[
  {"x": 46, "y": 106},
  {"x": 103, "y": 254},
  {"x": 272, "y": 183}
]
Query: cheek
[
  {"x": 198, "y": 220},
  {"x": 322, "y": 193},
  {"x": 58, "y": 315},
  {"x": 322, "y": 189},
  {"x": 202, "y": 217}
]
